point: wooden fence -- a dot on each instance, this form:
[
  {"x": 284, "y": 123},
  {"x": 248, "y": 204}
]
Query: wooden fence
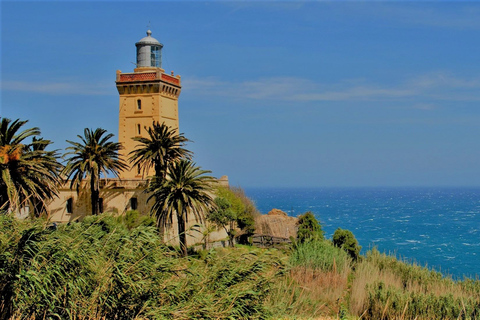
[{"x": 268, "y": 241}]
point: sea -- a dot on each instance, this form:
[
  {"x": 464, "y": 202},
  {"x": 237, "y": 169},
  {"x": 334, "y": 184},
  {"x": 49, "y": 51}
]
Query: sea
[{"x": 438, "y": 228}]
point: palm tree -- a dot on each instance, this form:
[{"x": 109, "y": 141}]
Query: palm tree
[
  {"x": 162, "y": 147},
  {"x": 28, "y": 173},
  {"x": 50, "y": 160},
  {"x": 93, "y": 156},
  {"x": 184, "y": 192}
]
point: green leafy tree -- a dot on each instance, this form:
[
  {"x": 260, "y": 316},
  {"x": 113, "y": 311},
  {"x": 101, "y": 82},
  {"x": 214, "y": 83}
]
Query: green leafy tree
[
  {"x": 345, "y": 240},
  {"x": 233, "y": 209},
  {"x": 308, "y": 228},
  {"x": 185, "y": 191},
  {"x": 28, "y": 173},
  {"x": 162, "y": 147},
  {"x": 246, "y": 218},
  {"x": 224, "y": 216},
  {"x": 94, "y": 156}
]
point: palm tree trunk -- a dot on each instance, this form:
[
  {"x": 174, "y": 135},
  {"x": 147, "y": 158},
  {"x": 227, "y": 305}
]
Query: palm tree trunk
[
  {"x": 162, "y": 227},
  {"x": 181, "y": 234},
  {"x": 94, "y": 196}
]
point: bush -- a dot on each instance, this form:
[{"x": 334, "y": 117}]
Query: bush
[
  {"x": 308, "y": 228},
  {"x": 346, "y": 240}
]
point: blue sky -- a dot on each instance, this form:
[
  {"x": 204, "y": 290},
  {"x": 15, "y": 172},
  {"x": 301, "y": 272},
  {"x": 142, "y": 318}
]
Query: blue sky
[{"x": 274, "y": 93}]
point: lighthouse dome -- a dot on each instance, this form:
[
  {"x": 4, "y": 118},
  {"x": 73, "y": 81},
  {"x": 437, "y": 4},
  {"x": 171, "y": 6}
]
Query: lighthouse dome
[
  {"x": 149, "y": 52},
  {"x": 149, "y": 40}
]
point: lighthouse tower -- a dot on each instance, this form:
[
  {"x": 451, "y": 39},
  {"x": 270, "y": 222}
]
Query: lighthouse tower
[{"x": 146, "y": 95}]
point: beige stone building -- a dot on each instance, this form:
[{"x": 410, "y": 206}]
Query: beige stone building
[{"x": 147, "y": 94}]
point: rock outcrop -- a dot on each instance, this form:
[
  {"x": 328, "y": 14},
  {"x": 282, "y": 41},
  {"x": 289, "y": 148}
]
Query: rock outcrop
[{"x": 277, "y": 224}]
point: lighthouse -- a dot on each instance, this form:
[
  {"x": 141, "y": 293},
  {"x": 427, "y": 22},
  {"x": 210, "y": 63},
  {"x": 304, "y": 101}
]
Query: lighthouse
[{"x": 147, "y": 95}]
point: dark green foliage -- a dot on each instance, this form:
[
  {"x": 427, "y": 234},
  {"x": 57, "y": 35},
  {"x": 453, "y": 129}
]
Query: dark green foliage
[
  {"x": 159, "y": 150},
  {"x": 346, "y": 240},
  {"x": 308, "y": 228},
  {"x": 99, "y": 269},
  {"x": 28, "y": 173},
  {"x": 184, "y": 192}
]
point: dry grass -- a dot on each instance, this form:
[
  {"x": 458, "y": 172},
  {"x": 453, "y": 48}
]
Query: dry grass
[
  {"x": 385, "y": 287},
  {"x": 305, "y": 293},
  {"x": 367, "y": 274}
]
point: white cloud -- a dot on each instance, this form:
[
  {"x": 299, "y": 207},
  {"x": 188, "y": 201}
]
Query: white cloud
[
  {"x": 429, "y": 86},
  {"x": 434, "y": 86},
  {"x": 57, "y": 88}
]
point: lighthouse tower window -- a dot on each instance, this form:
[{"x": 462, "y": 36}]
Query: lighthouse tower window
[
  {"x": 155, "y": 57},
  {"x": 139, "y": 104}
]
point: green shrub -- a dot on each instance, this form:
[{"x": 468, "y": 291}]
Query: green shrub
[
  {"x": 308, "y": 228},
  {"x": 345, "y": 240}
]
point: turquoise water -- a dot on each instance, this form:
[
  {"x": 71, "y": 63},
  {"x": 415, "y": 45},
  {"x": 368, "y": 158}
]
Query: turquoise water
[{"x": 436, "y": 227}]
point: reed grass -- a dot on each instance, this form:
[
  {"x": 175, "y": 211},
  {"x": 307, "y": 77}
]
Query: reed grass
[
  {"x": 316, "y": 283},
  {"x": 99, "y": 269},
  {"x": 388, "y": 288},
  {"x": 104, "y": 268}
]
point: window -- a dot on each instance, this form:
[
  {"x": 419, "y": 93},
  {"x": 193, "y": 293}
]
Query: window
[
  {"x": 155, "y": 57},
  {"x": 139, "y": 104},
  {"x": 139, "y": 171},
  {"x": 139, "y": 129},
  {"x": 133, "y": 203},
  {"x": 100, "y": 205},
  {"x": 70, "y": 205}
]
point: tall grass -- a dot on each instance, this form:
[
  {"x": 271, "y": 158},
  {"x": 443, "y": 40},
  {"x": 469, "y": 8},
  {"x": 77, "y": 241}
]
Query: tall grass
[
  {"x": 387, "y": 288},
  {"x": 103, "y": 268},
  {"x": 100, "y": 269},
  {"x": 316, "y": 283}
]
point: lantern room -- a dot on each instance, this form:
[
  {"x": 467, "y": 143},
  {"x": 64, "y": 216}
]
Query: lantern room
[{"x": 149, "y": 52}]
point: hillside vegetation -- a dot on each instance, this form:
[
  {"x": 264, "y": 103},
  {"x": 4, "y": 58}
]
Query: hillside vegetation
[{"x": 100, "y": 269}]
